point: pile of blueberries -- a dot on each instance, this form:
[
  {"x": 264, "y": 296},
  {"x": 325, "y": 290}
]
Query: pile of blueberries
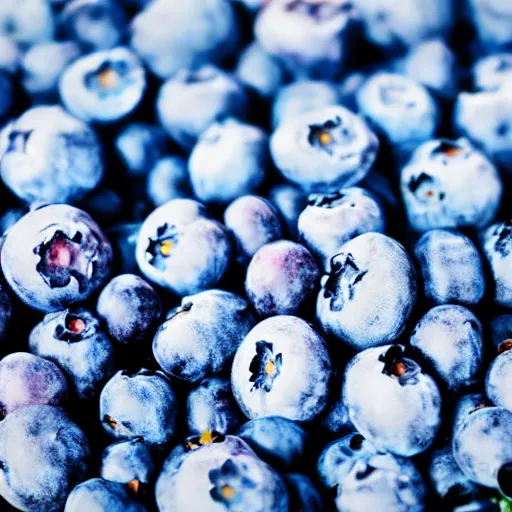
[{"x": 256, "y": 255}]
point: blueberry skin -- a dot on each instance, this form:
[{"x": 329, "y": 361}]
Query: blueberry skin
[
  {"x": 282, "y": 368},
  {"x": 28, "y": 23},
  {"x": 493, "y": 22},
  {"x": 303, "y": 96},
  {"x": 191, "y": 100},
  {"x": 390, "y": 27},
  {"x": 50, "y": 156},
  {"x": 130, "y": 307},
  {"x": 259, "y": 70},
  {"x": 368, "y": 293},
  {"x": 290, "y": 201},
  {"x": 330, "y": 220},
  {"x": 200, "y": 337},
  {"x": 42, "y": 66},
  {"x": 228, "y": 161},
  {"x": 44, "y": 455},
  {"x": 499, "y": 378},
  {"x": 98, "y": 494},
  {"x": 450, "y": 184},
  {"x": 484, "y": 118},
  {"x": 128, "y": 462},
  {"x": 211, "y": 407},
  {"x": 450, "y": 339},
  {"x": 466, "y": 405},
  {"x": 281, "y": 276},
  {"x": 55, "y": 256},
  {"x": 496, "y": 242},
  {"x": 139, "y": 404},
  {"x": 104, "y": 86},
  {"x": 168, "y": 179},
  {"x": 449, "y": 482},
  {"x": 170, "y": 36},
  {"x": 324, "y": 150},
  {"x": 500, "y": 329},
  {"x": 482, "y": 447},
  {"x": 325, "y": 44},
  {"x": 215, "y": 469},
  {"x": 10, "y": 55},
  {"x": 181, "y": 249},
  {"x": 27, "y": 380},
  {"x": 140, "y": 146},
  {"x": 123, "y": 237},
  {"x": 401, "y": 108},
  {"x": 451, "y": 267},
  {"x": 73, "y": 340},
  {"x": 304, "y": 496},
  {"x": 278, "y": 441},
  {"x": 441, "y": 75},
  {"x": 408, "y": 415},
  {"x": 492, "y": 72},
  {"x": 94, "y": 24},
  {"x": 254, "y": 222}
]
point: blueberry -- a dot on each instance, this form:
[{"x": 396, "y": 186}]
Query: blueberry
[
  {"x": 98, "y": 494},
  {"x": 139, "y": 404},
  {"x": 484, "y": 117},
  {"x": 212, "y": 408},
  {"x": 496, "y": 244},
  {"x": 401, "y": 108},
  {"x": 499, "y": 377},
  {"x": 103, "y": 86},
  {"x": 226, "y": 475},
  {"x": 450, "y": 339},
  {"x": 466, "y": 405},
  {"x": 281, "y": 276},
  {"x": 191, "y": 100},
  {"x": 368, "y": 293},
  {"x": 27, "y": 380},
  {"x": 450, "y": 184},
  {"x": 10, "y": 55},
  {"x": 390, "y": 27},
  {"x": 254, "y": 222},
  {"x": 123, "y": 237},
  {"x": 94, "y": 24},
  {"x": 324, "y": 150},
  {"x": 130, "y": 307},
  {"x": 290, "y": 201},
  {"x": 259, "y": 70},
  {"x": 43, "y": 455},
  {"x": 319, "y": 36},
  {"x": 282, "y": 368},
  {"x": 493, "y": 22},
  {"x": 42, "y": 66},
  {"x": 140, "y": 146},
  {"x": 500, "y": 329},
  {"x": 168, "y": 179},
  {"x": 170, "y": 36},
  {"x": 278, "y": 441},
  {"x": 180, "y": 248},
  {"x": 74, "y": 341},
  {"x": 482, "y": 447},
  {"x": 303, "y": 96},
  {"x": 492, "y": 72},
  {"x": 201, "y": 336},
  {"x": 55, "y": 256},
  {"x": 330, "y": 220},
  {"x": 128, "y": 462},
  {"x": 50, "y": 156},
  {"x": 304, "y": 497},
  {"x": 451, "y": 267},
  {"x": 391, "y": 401}
]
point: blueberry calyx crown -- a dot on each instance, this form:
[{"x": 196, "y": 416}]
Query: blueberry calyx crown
[
  {"x": 229, "y": 483},
  {"x": 399, "y": 367},
  {"x": 320, "y": 12},
  {"x": 118, "y": 427},
  {"x": 111, "y": 77},
  {"x": 503, "y": 245},
  {"x": 73, "y": 328},
  {"x": 341, "y": 281},
  {"x": 448, "y": 149},
  {"x": 329, "y": 134},
  {"x": 424, "y": 187},
  {"x": 18, "y": 141},
  {"x": 161, "y": 247},
  {"x": 265, "y": 368},
  {"x": 505, "y": 346},
  {"x": 325, "y": 200},
  {"x": 207, "y": 437}
]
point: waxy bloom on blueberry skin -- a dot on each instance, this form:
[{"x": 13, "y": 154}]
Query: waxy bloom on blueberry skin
[
  {"x": 450, "y": 184},
  {"x": 324, "y": 150},
  {"x": 498, "y": 380},
  {"x": 47, "y": 155},
  {"x": 493, "y": 22},
  {"x": 368, "y": 292},
  {"x": 55, "y": 256},
  {"x": 493, "y": 72},
  {"x": 391, "y": 401},
  {"x": 282, "y": 368}
]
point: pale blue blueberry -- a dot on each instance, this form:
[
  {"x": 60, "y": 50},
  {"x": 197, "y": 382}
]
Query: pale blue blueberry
[
  {"x": 493, "y": 72},
  {"x": 493, "y": 22},
  {"x": 168, "y": 179},
  {"x": 498, "y": 380},
  {"x": 290, "y": 201}
]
